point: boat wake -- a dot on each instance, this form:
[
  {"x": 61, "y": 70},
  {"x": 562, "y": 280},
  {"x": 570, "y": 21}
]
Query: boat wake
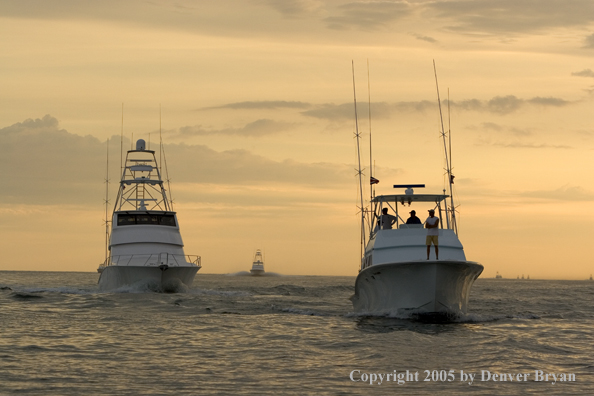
[
  {"x": 470, "y": 318},
  {"x": 247, "y": 273},
  {"x": 297, "y": 311}
]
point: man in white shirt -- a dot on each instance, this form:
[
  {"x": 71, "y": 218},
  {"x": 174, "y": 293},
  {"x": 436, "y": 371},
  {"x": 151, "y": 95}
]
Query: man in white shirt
[
  {"x": 432, "y": 225},
  {"x": 386, "y": 220}
]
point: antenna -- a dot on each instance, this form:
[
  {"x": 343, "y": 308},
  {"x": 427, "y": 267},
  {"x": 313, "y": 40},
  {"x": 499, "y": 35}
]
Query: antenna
[
  {"x": 447, "y": 150},
  {"x": 359, "y": 170},
  {"x": 160, "y": 141},
  {"x": 162, "y": 152},
  {"x": 107, "y": 204},
  {"x": 122, "y": 141}
]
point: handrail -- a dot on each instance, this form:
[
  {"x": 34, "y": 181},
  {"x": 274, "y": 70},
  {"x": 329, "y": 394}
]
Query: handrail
[{"x": 155, "y": 259}]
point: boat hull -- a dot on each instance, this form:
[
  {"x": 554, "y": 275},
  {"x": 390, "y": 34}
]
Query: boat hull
[
  {"x": 160, "y": 279},
  {"x": 416, "y": 288},
  {"x": 257, "y": 272}
]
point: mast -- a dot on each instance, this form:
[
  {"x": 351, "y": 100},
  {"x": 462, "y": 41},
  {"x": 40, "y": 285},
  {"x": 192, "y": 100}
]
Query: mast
[
  {"x": 447, "y": 151},
  {"x": 359, "y": 170}
]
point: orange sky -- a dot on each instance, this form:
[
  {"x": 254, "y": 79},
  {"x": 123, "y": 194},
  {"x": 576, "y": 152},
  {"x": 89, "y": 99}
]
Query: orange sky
[{"x": 257, "y": 118}]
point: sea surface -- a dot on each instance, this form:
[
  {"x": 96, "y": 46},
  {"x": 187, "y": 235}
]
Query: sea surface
[{"x": 287, "y": 335}]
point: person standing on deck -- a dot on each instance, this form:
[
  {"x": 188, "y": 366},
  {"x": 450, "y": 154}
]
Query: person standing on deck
[
  {"x": 432, "y": 225},
  {"x": 413, "y": 219},
  {"x": 386, "y": 220}
]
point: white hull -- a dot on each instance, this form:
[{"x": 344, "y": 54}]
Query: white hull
[
  {"x": 172, "y": 279},
  {"x": 439, "y": 288},
  {"x": 257, "y": 271}
]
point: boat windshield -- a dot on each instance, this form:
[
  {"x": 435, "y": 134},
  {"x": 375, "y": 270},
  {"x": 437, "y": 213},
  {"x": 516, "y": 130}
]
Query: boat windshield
[
  {"x": 397, "y": 210},
  {"x": 125, "y": 219}
]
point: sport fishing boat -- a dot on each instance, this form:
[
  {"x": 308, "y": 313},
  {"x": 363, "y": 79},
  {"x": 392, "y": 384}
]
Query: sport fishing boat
[
  {"x": 258, "y": 264},
  {"x": 145, "y": 244},
  {"x": 398, "y": 276}
]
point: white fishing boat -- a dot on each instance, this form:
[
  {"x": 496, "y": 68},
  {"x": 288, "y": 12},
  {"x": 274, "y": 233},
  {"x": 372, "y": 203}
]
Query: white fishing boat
[
  {"x": 145, "y": 244},
  {"x": 258, "y": 264},
  {"x": 398, "y": 275},
  {"x": 396, "y": 278}
]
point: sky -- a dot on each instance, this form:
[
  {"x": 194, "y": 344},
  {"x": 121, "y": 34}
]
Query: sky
[{"x": 254, "y": 102}]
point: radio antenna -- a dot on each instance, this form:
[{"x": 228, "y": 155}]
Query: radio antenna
[{"x": 122, "y": 141}]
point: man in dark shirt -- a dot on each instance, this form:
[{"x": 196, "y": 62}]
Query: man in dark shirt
[{"x": 413, "y": 219}]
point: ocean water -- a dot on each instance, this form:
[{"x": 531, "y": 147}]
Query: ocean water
[{"x": 287, "y": 335}]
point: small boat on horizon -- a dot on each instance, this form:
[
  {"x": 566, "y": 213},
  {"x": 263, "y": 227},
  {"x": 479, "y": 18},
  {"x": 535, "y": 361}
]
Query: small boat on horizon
[
  {"x": 145, "y": 244},
  {"x": 258, "y": 264}
]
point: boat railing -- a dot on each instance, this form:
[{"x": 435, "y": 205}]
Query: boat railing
[
  {"x": 155, "y": 259},
  {"x": 404, "y": 226}
]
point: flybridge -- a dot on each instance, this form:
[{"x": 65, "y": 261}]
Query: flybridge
[{"x": 141, "y": 183}]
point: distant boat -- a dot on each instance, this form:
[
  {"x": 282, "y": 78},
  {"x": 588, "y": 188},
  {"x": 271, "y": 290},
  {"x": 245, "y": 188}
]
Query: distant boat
[
  {"x": 258, "y": 264},
  {"x": 591, "y": 277},
  {"x": 498, "y": 276},
  {"x": 145, "y": 243}
]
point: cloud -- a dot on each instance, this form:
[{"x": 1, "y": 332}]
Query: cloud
[
  {"x": 424, "y": 38},
  {"x": 589, "y": 41},
  {"x": 382, "y": 110},
  {"x": 488, "y": 141},
  {"x": 379, "y": 110},
  {"x": 584, "y": 73},
  {"x": 554, "y": 102},
  {"x": 295, "y": 8},
  {"x": 47, "y": 165},
  {"x": 532, "y": 145},
  {"x": 564, "y": 194},
  {"x": 263, "y": 104},
  {"x": 257, "y": 128},
  {"x": 504, "y": 104},
  {"x": 493, "y": 127},
  {"x": 368, "y": 15},
  {"x": 510, "y": 17}
]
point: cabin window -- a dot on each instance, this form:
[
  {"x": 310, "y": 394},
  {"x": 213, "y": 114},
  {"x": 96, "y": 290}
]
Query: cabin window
[
  {"x": 131, "y": 219},
  {"x": 126, "y": 220},
  {"x": 168, "y": 220}
]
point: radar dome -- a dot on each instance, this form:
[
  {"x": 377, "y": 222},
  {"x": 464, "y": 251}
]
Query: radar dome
[{"x": 140, "y": 144}]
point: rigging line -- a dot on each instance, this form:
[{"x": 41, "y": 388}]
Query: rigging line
[{"x": 360, "y": 172}]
